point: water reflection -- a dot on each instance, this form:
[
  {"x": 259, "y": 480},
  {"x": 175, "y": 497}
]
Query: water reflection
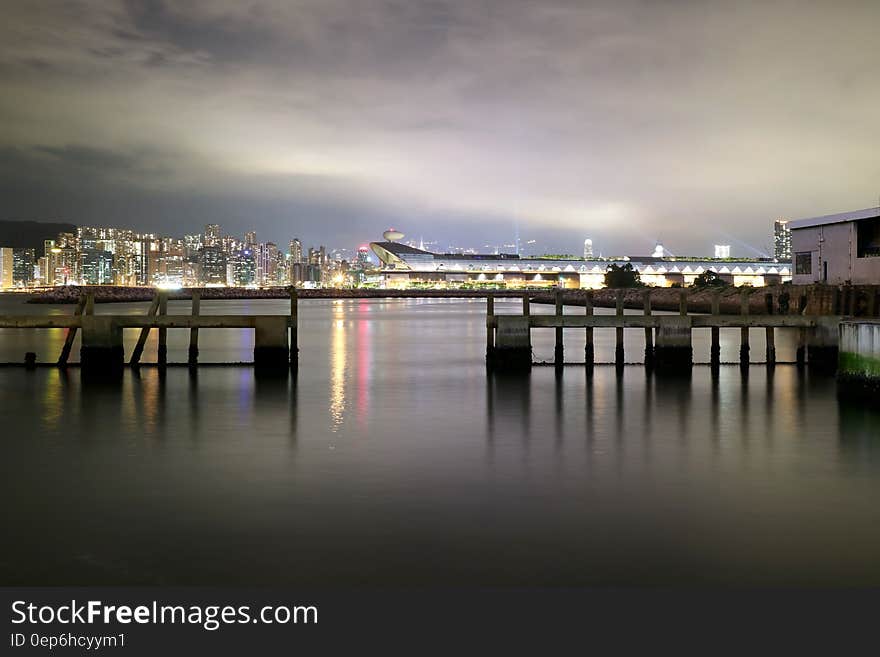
[
  {"x": 338, "y": 363},
  {"x": 579, "y": 477}
]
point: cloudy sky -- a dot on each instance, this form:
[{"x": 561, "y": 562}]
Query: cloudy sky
[{"x": 628, "y": 121}]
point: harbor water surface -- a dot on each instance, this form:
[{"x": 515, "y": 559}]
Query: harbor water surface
[{"x": 391, "y": 459}]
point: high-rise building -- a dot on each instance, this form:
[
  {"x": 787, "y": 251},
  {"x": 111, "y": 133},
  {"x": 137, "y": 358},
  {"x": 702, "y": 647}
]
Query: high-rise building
[
  {"x": 295, "y": 249},
  {"x": 23, "y": 261},
  {"x": 96, "y": 267},
  {"x": 267, "y": 262},
  {"x": 250, "y": 239},
  {"x": 212, "y": 235},
  {"x": 722, "y": 250},
  {"x": 781, "y": 240},
  {"x": 5, "y": 267},
  {"x": 244, "y": 268},
  {"x": 212, "y": 265},
  {"x": 588, "y": 249}
]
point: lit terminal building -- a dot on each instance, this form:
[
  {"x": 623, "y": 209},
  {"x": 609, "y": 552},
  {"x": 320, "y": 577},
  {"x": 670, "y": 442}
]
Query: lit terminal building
[{"x": 404, "y": 266}]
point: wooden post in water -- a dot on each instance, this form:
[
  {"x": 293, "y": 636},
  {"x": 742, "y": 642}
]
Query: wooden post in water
[
  {"x": 294, "y": 327},
  {"x": 589, "y": 351},
  {"x": 683, "y": 303},
  {"x": 90, "y": 303},
  {"x": 163, "y": 332},
  {"x": 71, "y": 334},
  {"x": 193, "y": 358},
  {"x": 145, "y": 332},
  {"x": 526, "y": 301},
  {"x": 558, "y": 355},
  {"x": 771, "y": 346},
  {"x": 801, "y": 353},
  {"x": 715, "y": 348},
  {"x": 649, "y": 332},
  {"x": 490, "y": 326},
  {"x": 770, "y": 333},
  {"x": 618, "y": 342},
  {"x": 744, "y": 297}
]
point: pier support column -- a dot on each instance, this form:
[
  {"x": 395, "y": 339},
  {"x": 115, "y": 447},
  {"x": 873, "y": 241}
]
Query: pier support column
[
  {"x": 744, "y": 348},
  {"x": 193, "y": 355},
  {"x": 619, "y": 357},
  {"x": 101, "y": 353},
  {"x": 715, "y": 348},
  {"x": 801, "y": 352},
  {"x": 649, "y": 332},
  {"x": 559, "y": 350},
  {"x": 822, "y": 344},
  {"x": 589, "y": 350},
  {"x": 294, "y": 328},
  {"x": 858, "y": 371},
  {"x": 513, "y": 344},
  {"x": 271, "y": 348},
  {"x": 162, "y": 349},
  {"x": 490, "y": 326},
  {"x": 673, "y": 351}
]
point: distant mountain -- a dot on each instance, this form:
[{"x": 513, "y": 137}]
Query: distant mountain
[{"x": 30, "y": 234}]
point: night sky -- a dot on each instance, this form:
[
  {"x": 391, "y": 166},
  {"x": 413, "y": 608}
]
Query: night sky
[{"x": 692, "y": 122}]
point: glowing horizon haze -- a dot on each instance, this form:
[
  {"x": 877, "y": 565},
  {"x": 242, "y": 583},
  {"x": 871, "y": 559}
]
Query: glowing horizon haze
[{"x": 629, "y": 122}]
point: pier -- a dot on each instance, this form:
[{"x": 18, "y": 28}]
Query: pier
[
  {"x": 668, "y": 338},
  {"x": 102, "y": 352}
]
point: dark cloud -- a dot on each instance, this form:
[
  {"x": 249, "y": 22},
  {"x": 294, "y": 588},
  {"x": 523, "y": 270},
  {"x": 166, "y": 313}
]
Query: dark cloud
[{"x": 627, "y": 120}]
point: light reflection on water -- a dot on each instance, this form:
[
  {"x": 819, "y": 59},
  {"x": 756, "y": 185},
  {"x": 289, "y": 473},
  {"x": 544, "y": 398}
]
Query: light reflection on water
[{"x": 392, "y": 459}]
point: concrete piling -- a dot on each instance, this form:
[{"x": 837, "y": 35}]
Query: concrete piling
[
  {"x": 101, "y": 352},
  {"x": 589, "y": 349},
  {"x": 271, "y": 346},
  {"x": 649, "y": 332},
  {"x": 513, "y": 344},
  {"x": 162, "y": 351},
  {"x": 823, "y": 344},
  {"x": 559, "y": 349},
  {"x": 715, "y": 348},
  {"x": 294, "y": 328},
  {"x": 673, "y": 350},
  {"x": 193, "y": 354},
  {"x": 744, "y": 348},
  {"x": 619, "y": 357},
  {"x": 858, "y": 371}
]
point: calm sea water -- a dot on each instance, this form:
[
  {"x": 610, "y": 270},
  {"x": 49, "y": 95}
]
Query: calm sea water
[{"x": 393, "y": 460}]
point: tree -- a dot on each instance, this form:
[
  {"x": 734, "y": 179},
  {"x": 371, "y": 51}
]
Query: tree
[
  {"x": 622, "y": 276},
  {"x": 709, "y": 279}
]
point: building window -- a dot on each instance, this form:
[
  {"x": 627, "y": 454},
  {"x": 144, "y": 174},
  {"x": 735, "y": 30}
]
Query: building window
[
  {"x": 868, "y": 238},
  {"x": 803, "y": 263}
]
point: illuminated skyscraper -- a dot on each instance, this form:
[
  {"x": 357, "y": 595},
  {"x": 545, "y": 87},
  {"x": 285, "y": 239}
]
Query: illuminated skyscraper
[
  {"x": 722, "y": 250},
  {"x": 588, "y": 249},
  {"x": 295, "y": 249},
  {"x": 250, "y": 239},
  {"x": 212, "y": 235},
  {"x": 23, "y": 261},
  {"x": 781, "y": 240},
  {"x": 212, "y": 265},
  {"x": 5, "y": 267}
]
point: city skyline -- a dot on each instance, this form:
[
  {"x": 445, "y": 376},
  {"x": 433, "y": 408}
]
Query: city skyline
[{"x": 631, "y": 122}]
